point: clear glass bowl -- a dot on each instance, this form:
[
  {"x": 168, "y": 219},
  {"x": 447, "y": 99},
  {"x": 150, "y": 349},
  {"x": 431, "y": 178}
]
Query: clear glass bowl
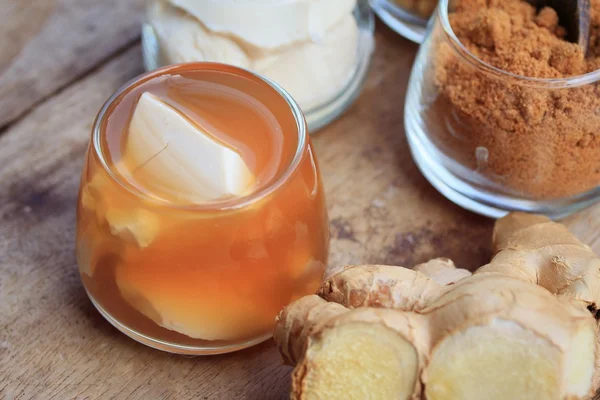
[
  {"x": 406, "y": 23},
  {"x": 317, "y": 114},
  {"x": 469, "y": 149},
  {"x": 157, "y": 270}
]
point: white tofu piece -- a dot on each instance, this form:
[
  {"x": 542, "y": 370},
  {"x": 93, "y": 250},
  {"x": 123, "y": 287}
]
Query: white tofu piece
[{"x": 180, "y": 157}]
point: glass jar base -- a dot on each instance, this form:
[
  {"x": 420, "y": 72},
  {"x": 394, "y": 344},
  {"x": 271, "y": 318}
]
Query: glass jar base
[
  {"x": 208, "y": 349},
  {"x": 476, "y": 199},
  {"x": 402, "y": 22}
]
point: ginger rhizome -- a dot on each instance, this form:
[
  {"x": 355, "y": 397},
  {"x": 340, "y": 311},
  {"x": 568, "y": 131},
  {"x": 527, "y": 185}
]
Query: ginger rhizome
[{"x": 518, "y": 328}]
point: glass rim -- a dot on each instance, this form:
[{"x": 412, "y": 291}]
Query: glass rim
[
  {"x": 557, "y": 83},
  {"x": 217, "y": 205}
]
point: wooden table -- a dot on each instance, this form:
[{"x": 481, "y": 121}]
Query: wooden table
[{"x": 59, "y": 61}]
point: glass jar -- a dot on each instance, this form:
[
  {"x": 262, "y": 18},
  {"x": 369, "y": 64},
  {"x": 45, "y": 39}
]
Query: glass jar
[
  {"x": 493, "y": 141},
  {"x": 319, "y": 53},
  {"x": 406, "y": 17},
  {"x": 201, "y": 278}
]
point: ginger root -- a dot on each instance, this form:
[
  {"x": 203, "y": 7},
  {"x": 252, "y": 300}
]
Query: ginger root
[
  {"x": 537, "y": 250},
  {"x": 295, "y": 324},
  {"x": 519, "y": 328},
  {"x": 391, "y": 287}
]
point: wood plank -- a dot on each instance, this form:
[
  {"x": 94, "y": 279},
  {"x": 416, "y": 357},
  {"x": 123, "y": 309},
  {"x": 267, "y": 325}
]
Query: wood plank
[
  {"x": 54, "y": 345},
  {"x": 48, "y": 44}
]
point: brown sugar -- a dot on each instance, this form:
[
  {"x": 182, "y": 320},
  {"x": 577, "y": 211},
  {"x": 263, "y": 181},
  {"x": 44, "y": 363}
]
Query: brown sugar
[{"x": 526, "y": 138}]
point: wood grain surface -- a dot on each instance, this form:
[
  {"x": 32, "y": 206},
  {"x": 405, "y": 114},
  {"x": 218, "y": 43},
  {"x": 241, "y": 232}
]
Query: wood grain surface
[
  {"x": 53, "y": 343},
  {"x": 47, "y": 44}
]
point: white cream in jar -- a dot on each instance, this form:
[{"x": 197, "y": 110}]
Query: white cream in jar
[{"x": 309, "y": 47}]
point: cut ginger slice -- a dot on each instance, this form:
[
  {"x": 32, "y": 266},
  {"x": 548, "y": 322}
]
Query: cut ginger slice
[
  {"x": 357, "y": 361},
  {"x": 517, "y": 363}
]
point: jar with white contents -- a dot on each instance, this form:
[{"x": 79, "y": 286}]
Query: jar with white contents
[{"x": 318, "y": 50}]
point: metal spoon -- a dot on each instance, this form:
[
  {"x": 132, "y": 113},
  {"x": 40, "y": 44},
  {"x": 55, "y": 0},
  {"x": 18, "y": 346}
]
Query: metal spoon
[{"x": 573, "y": 15}]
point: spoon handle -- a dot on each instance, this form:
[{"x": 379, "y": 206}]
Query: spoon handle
[{"x": 574, "y": 16}]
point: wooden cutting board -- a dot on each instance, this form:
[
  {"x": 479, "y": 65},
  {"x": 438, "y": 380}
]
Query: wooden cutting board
[{"x": 59, "y": 61}]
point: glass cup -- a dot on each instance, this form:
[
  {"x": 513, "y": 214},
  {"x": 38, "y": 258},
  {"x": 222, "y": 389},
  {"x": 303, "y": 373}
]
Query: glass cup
[
  {"x": 492, "y": 141},
  {"x": 199, "y": 278},
  {"x": 406, "y": 17},
  {"x": 324, "y": 73}
]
